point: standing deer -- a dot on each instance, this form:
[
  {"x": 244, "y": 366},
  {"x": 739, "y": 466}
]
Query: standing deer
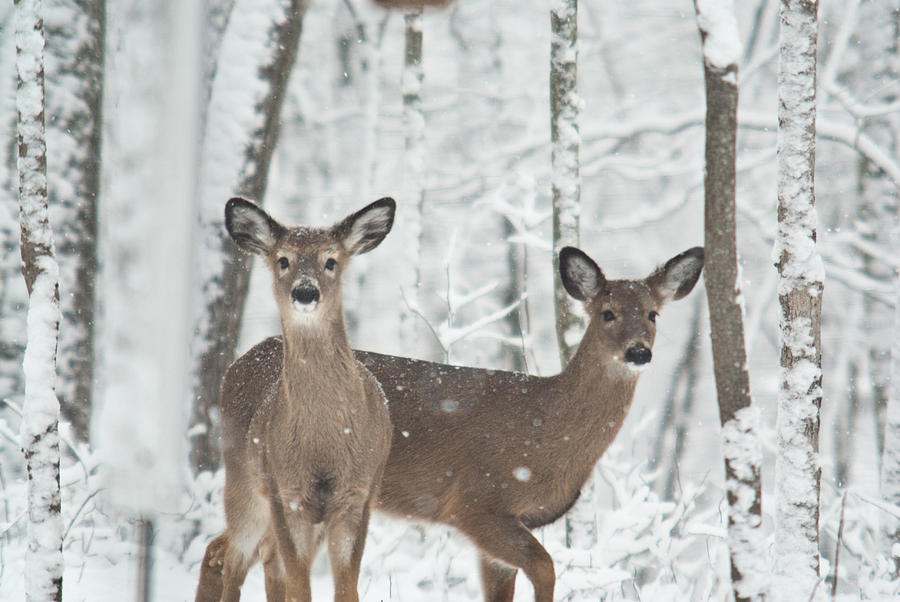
[
  {"x": 305, "y": 428},
  {"x": 496, "y": 454}
]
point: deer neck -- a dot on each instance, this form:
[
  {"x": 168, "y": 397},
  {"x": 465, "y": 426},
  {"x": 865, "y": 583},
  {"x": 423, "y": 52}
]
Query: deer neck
[
  {"x": 595, "y": 391},
  {"x": 315, "y": 353}
]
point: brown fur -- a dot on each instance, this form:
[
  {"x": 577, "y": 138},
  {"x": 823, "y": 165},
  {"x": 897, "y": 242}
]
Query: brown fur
[
  {"x": 461, "y": 436},
  {"x": 305, "y": 429}
]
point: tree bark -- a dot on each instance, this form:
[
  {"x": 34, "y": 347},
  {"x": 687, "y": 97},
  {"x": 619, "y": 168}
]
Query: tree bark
[
  {"x": 252, "y": 74},
  {"x": 75, "y": 35},
  {"x": 738, "y": 417},
  {"x": 800, "y": 288},
  {"x": 40, "y": 421},
  {"x": 413, "y": 178},
  {"x": 565, "y": 109}
]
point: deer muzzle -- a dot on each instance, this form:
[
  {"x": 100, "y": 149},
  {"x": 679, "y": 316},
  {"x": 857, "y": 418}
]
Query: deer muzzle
[
  {"x": 305, "y": 295},
  {"x": 638, "y": 355}
]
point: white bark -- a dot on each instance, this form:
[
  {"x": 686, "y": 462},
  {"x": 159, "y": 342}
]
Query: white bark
[
  {"x": 40, "y": 420},
  {"x": 801, "y": 276},
  {"x": 414, "y": 154},
  {"x": 565, "y": 109},
  {"x": 140, "y": 418}
]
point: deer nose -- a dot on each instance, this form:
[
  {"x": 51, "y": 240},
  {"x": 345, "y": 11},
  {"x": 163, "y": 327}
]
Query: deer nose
[
  {"x": 638, "y": 355},
  {"x": 305, "y": 294}
]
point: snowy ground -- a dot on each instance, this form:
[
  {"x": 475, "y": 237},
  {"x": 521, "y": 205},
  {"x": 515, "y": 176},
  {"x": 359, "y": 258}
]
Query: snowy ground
[{"x": 649, "y": 549}]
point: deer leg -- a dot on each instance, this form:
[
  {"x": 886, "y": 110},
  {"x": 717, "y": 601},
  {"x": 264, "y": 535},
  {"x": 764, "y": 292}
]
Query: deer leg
[
  {"x": 498, "y": 581},
  {"x": 236, "y": 564},
  {"x": 209, "y": 588},
  {"x": 507, "y": 540},
  {"x": 346, "y": 540},
  {"x": 273, "y": 568}
]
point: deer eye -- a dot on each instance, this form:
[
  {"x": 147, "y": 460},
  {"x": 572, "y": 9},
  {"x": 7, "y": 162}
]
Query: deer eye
[
  {"x": 283, "y": 263},
  {"x": 608, "y": 316},
  {"x": 330, "y": 264},
  {"x": 652, "y": 316}
]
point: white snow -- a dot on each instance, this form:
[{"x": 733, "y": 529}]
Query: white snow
[{"x": 721, "y": 42}]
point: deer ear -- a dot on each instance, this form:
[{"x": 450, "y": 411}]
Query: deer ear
[
  {"x": 582, "y": 277},
  {"x": 364, "y": 230},
  {"x": 678, "y": 276},
  {"x": 251, "y": 227}
]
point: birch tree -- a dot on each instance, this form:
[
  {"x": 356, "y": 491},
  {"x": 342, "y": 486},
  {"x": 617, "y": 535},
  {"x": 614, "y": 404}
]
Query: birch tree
[
  {"x": 40, "y": 421},
  {"x": 800, "y": 288},
  {"x": 258, "y": 50},
  {"x": 413, "y": 175},
  {"x": 75, "y": 34},
  {"x": 738, "y": 417},
  {"x": 565, "y": 108}
]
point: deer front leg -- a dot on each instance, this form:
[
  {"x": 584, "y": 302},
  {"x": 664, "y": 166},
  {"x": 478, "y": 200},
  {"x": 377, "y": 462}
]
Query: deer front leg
[
  {"x": 273, "y": 568},
  {"x": 506, "y": 539},
  {"x": 346, "y": 540},
  {"x": 209, "y": 588},
  {"x": 498, "y": 581}
]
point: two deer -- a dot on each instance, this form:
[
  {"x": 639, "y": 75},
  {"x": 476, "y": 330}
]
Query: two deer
[{"x": 493, "y": 454}]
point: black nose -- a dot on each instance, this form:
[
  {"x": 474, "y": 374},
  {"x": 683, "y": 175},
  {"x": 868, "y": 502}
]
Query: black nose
[
  {"x": 638, "y": 355},
  {"x": 305, "y": 294}
]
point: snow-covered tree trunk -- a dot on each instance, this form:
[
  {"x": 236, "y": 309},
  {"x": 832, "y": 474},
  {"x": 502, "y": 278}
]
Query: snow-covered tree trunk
[
  {"x": 40, "y": 420},
  {"x": 739, "y": 418},
  {"x": 413, "y": 178},
  {"x": 241, "y": 130},
  {"x": 75, "y": 33},
  {"x": 800, "y": 288},
  {"x": 139, "y": 417},
  {"x": 565, "y": 108},
  {"x": 13, "y": 294}
]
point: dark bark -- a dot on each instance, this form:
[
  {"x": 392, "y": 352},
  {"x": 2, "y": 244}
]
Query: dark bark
[
  {"x": 726, "y": 314},
  {"x": 74, "y": 100}
]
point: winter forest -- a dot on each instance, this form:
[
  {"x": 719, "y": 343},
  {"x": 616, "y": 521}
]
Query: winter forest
[{"x": 760, "y": 456}]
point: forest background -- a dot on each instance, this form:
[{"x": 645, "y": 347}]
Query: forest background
[{"x": 157, "y": 112}]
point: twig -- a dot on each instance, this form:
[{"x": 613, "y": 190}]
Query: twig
[
  {"x": 77, "y": 512},
  {"x": 837, "y": 547},
  {"x": 415, "y": 311}
]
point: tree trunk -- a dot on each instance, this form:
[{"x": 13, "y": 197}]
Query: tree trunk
[
  {"x": 40, "y": 422},
  {"x": 738, "y": 417},
  {"x": 75, "y": 36},
  {"x": 413, "y": 179},
  {"x": 800, "y": 288},
  {"x": 565, "y": 108},
  {"x": 257, "y": 53},
  {"x": 13, "y": 295},
  {"x": 581, "y": 522}
]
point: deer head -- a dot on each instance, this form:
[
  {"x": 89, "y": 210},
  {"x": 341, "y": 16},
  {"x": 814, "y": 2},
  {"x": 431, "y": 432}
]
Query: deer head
[
  {"x": 306, "y": 263},
  {"x": 623, "y": 312}
]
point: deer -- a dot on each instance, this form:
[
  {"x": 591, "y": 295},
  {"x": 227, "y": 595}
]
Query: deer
[
  {"x": 496, "y": 454},
  {"x": 305, "y": 427}
]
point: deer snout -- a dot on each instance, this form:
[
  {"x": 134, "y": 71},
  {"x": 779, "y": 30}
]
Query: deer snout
[
  {"x": 638, "y": 355},
  {"x": 305, "y": 294}
]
